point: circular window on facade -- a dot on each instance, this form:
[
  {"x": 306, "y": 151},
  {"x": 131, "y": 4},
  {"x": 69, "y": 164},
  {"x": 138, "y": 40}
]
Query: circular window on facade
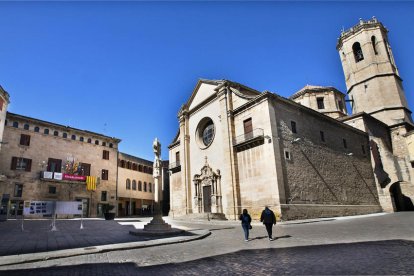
[{"x": 205, "y": 133}]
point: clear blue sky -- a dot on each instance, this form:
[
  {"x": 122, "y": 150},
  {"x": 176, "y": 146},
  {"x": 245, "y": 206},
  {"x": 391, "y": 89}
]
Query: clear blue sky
[{"x": 123, "y": 69}]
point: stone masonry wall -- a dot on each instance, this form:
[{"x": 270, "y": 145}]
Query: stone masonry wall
[{"x": 328, "y": 172}]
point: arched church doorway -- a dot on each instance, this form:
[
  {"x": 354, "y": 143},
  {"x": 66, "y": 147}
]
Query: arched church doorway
[{"x": 401, "y": 201}]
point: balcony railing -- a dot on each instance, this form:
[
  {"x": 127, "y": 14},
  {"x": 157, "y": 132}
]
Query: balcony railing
[
  {"x": 258, "y": 132},
  {"x": 249, "y": 139},
  {"x": 175, "y": 167}
]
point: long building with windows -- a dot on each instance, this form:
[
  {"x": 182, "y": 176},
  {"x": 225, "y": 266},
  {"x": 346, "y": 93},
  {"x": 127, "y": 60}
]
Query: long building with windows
[
  {"x": 135, "y": 187},
  {"x": 45, "y": 161}
]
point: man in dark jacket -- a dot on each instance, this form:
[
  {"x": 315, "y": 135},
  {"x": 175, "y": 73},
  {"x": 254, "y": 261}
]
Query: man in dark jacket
[{"x": 268, "y": 218}]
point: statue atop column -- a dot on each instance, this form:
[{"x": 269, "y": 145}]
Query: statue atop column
[
  {"x": 157, "y": 226},
  {"x": 156, "y": 145}
]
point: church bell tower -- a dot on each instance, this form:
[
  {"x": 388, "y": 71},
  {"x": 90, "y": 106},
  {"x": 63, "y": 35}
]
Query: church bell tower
[{"x": 372, "y": 79}]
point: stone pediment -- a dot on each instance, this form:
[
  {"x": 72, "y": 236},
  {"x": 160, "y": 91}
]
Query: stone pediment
[
  {"x": 203, "y": 90},
  {"x": 207, "y": 88},
  {"x": 206, "y": 173}
]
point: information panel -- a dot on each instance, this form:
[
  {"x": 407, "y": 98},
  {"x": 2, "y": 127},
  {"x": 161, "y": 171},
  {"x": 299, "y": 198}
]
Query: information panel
[
  {"x": 69, "y": 207},
  {"x": 38, "y": 208}
]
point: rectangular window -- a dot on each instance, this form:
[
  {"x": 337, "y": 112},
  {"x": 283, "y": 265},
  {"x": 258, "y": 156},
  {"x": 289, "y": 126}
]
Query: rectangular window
[
  {"x": 1, "y": 104},
  {"x": 18, "y": 190},
  {"x": 248, "y": 126},
  {"x": 103, "y": 195},
  {"x": 344, "y": 142},
  {"x": 54, "y": 165},
  {"x": 24, "y": 140},
  {"x": 248, "y": 129},
  {"x": 84, "y": 169},
  {"x": 412, "y": 164},
  {"x": 104, "y": 175},
  {"x": 321, "y": 105},
  {"x": 177, "y": 156},
  {"x": 293, "y": 126},
  {"x": 52, "y": 190},
  {"x": 341, "y": 105},
  {"x": 21, "y": 164},
  {"x": 287, "y": 155},
  {"x": 322, "y": 136},
  {"x": 363, "y": 149},
  {"x": 105, "y": 155}
]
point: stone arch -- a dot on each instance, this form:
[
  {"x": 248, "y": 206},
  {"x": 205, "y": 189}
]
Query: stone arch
[{"x": 400, "y": 201}]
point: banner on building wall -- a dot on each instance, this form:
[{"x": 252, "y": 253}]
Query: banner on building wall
[
  {"x": 72, "y": 177},
  {"x": 91, "y": 183},
  {"x": 69, "y": 208},
  {"x": 39, "y": 208},
  {"x": 47, "y": 175},
  {"x": 58, "y": 176}
]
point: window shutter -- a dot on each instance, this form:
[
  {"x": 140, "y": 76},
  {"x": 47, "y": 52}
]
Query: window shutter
[
  {"x": 13, "y": 163},
  {"x": 29, "y": 165}
]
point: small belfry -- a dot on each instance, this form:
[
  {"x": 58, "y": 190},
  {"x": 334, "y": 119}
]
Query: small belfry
[{"x": 371, "y": 75}]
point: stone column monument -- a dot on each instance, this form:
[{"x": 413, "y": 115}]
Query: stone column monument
[{"x": 157, "y": 224}]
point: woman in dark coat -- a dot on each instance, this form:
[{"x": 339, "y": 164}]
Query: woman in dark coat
[
  {"x": 268, "y": 218},
  {"x": 245, "y": 222}
]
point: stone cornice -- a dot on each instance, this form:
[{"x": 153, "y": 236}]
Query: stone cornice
[
  {"x": 313, "y": 112},
  {"x": 319, "y": 89},
  {"x": 5, "y": 95},
  {"x": 362, "y": 25},
  {"x": 174, "y": 144},
  {"x": 370, "y": 78},
  {"x": 67, "y": 128},
  {"x": 139, "y": 160}
]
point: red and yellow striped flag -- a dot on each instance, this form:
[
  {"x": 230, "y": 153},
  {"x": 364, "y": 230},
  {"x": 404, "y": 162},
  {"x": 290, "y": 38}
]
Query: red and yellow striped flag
[{"x": 91, "y": 183}]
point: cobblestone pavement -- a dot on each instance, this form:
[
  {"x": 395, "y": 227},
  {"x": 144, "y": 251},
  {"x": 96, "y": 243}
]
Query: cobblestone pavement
[{"x": 369, "y": 245}]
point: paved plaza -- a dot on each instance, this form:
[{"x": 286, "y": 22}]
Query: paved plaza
[{"x": 380, "y": 244}]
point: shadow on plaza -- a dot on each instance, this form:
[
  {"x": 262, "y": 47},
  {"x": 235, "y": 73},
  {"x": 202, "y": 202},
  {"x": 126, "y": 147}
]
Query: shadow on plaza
[
  {"x": 389, "y": 257},
  {"x": 274, "y": 239},
  {"x": 38, "y": 237}
]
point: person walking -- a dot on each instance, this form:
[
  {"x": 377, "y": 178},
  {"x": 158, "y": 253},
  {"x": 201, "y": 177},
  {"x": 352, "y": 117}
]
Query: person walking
[
  {"x": 269, "y": 219},
  {"x": 245, "y": 222}
]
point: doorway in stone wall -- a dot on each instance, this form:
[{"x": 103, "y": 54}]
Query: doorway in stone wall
[
  {"x": 401, "y": 201},
  {"x": 207, "y": 199}
]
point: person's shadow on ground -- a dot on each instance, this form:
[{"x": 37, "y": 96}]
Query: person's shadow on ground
[{"x": 275, "y": 238}]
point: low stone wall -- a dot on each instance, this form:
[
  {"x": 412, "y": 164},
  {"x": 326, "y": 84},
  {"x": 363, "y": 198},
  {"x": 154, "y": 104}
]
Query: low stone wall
[{"x": 308, "y": 211}]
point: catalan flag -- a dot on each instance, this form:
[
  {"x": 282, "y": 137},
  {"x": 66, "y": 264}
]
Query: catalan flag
[{"x": 91, "y": 183}]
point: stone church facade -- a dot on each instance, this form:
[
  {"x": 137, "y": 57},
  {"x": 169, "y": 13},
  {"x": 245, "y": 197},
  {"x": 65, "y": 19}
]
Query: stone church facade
[{"x": 305, "y": 157}]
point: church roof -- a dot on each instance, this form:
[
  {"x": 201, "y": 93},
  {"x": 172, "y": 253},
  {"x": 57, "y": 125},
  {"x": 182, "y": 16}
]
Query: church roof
[{"x": 315, "y": 89}]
